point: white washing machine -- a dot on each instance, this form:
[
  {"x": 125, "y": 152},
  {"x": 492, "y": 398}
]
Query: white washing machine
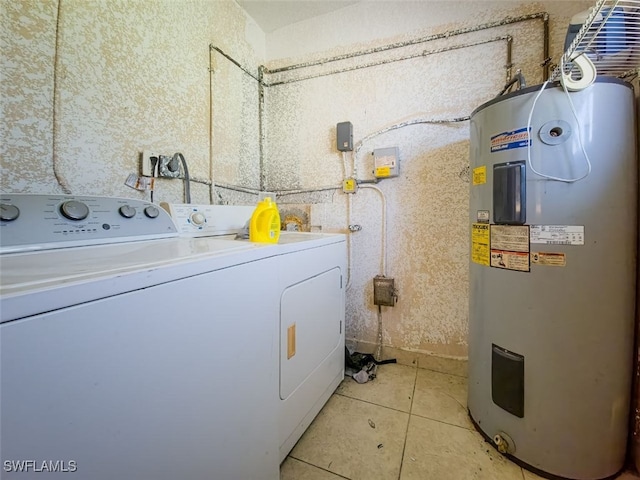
[
  {"x": 310, "y": 316},
  {"x": 127, "y": 354}
]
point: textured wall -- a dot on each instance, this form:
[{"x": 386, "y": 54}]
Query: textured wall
[
  {"x": 427, "y": 205},
  {"x": 28, "y": 39},
  {"x": 88, "y": 85}
]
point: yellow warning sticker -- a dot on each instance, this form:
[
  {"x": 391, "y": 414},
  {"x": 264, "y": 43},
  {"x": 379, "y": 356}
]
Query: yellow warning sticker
[
  {"x": 480, "y": 243},
  {"x": 383, "y": 171},
  {"x": 506, "y": 260},
  {"x": 480, "y": 175},
  {"x": 549, "y": 259}
]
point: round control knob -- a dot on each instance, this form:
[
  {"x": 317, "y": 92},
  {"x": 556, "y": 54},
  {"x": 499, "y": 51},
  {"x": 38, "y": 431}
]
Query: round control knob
[
  {"x": 8, "y": 212},
  {"x": 74, "y": 210},
  {"x": 127, "y": 211},
  {"x": 198, "y": 218},
  {"x": 151, "y": 211}
]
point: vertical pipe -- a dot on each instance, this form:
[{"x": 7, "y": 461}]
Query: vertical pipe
[
  {"x": 545, "y": 48},
  {"x": 383, "y": 228},
  {"x": 211, "y": 73},
  {"x": 509, "y": 64},
  {"x": 261, "y": 70},
  {"x": 56, "y": 100}
]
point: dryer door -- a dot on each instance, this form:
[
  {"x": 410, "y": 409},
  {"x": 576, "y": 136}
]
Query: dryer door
[{"x": 311, "y": 315}]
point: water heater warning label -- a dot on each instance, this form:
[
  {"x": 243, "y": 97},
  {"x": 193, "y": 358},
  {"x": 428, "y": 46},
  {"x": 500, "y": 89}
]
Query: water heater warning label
[
  {"x": 510, "y": 260},
  {"x": 510, "y": 247},
  {"x": 549, "y": 259},
  {"x": 557, "y": 234},
  {"x": 480, "y": 175},
  {"x": 509, "y": 140},
  {"x": 513, "y": 238},
  {"x": 480, "y": 243}
]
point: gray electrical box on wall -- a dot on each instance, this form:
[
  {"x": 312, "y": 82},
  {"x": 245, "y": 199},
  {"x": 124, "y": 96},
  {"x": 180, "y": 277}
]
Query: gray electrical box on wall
[
  {"x": 385, "y": 162},
  {"x": 345, "y": 136},
  {"x": 384, "y": 291}
]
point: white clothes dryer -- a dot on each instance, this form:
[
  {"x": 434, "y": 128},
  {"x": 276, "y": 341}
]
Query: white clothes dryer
[
  {"x": 311, "y": 272},
  {"x": 312, "y": 282}
]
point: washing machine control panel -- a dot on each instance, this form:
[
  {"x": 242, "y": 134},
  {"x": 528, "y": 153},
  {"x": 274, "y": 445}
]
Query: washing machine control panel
[
  {"x": 209, "y": 220},
  {"x": 41, "y": 222}
]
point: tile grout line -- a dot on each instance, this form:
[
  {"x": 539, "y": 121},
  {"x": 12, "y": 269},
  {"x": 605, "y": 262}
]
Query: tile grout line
[
  {"x": 444, "y": 423},
  {"x": 406, "y": 432},
  {"x": 403, "y": 411},
  {"x": 444, "y": 373},
  {"x": 374, "y": 404},
  {"x": 320, "y": 468}
]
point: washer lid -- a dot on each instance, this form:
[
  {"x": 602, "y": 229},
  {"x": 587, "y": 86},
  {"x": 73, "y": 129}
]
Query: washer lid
[{"x": 37, "y": 282}]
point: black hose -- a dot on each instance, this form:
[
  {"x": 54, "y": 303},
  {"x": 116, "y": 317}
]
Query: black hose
[{"x": 187, "y": 180}]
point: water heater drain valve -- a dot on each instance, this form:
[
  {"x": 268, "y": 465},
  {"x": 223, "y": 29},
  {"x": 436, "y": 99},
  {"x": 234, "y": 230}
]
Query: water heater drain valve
[{"x": 504, "y": 443}]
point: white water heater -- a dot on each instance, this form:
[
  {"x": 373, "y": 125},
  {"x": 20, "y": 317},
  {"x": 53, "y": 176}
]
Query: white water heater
[{"x": 553, "y": 217}]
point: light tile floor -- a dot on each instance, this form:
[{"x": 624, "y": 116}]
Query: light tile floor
[{"x": 408, "y": 424}]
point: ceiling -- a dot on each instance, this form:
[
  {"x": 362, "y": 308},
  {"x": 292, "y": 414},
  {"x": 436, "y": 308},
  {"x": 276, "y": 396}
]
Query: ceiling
[{"x": 271, "y": 15}]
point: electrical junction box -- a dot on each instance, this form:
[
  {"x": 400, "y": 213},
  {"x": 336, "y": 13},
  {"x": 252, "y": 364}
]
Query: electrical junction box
[
  {"x": 384, "y": 291},
  {"x": 385, "y": 162},
  {"x": 344, "y": 134},
  {"x": 349, "y": 185}
]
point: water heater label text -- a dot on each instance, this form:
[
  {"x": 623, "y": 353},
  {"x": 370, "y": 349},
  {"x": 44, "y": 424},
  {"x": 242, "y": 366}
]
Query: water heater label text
[
  {"x": 557, "y": 234},
  {"x": 509, "y": 140}
]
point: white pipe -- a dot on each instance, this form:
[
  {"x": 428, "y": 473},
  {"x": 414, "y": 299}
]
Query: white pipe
[
  {"x": 211, "y": 136},
  {"x": 349, "y": 233},
  {"x": 383, "y": 259},
  {"x": 345, "y": 170},
  {"x": 345, "y": 175},
  {"x": 62, "y": 181},
  {"x": 354, "y": 166}
]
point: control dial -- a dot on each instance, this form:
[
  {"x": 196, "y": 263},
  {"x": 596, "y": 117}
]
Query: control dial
[
  {"x": 74, "y": 210},
  {"x": 151, "y": 211},
  {"x": 8, "y": 212},
  {"x": 198, "y": 219},
  {"x": 127, "y": 211}
]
